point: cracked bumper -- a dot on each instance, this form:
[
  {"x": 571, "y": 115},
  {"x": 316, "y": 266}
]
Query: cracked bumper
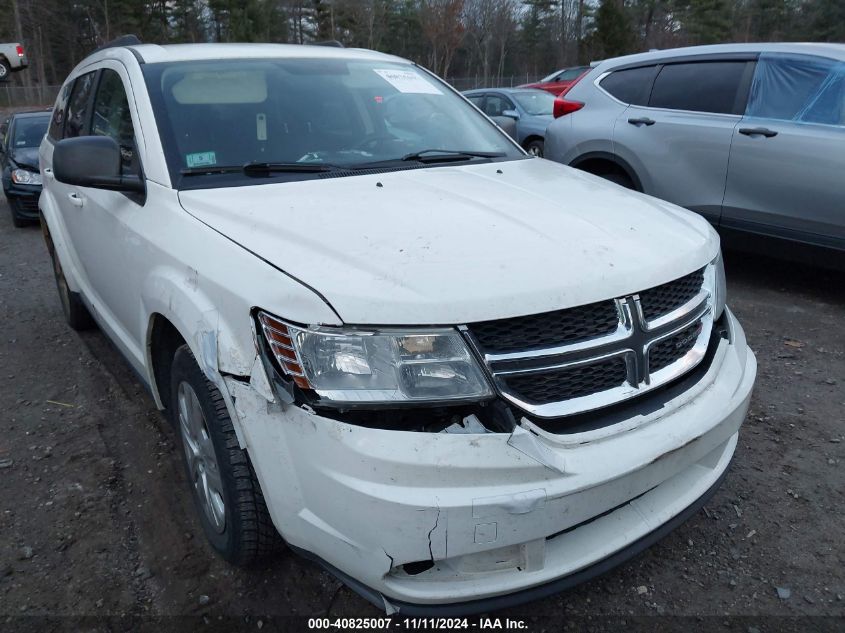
[{"x": 498, "y": 524}]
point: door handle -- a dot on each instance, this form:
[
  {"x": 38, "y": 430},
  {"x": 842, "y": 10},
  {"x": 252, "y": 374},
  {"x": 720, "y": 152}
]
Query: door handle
[
  {"x": 76, "y": 200},
  {"x": 757, "y": 131},
  {"x": 48, "y": 172},
  {"x": 641, "y": 121}
]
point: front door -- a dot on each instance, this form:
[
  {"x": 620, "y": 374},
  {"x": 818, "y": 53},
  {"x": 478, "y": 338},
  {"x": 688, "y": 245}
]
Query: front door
[{"x": 788, "y": 153}]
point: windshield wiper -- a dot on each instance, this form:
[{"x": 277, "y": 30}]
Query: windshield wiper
[
  {"x": 448, "y": 155},
  {"x": 260, "y": 169}
]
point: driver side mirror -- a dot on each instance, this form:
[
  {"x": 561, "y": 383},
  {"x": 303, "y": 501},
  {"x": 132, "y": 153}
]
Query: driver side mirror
[
  {"x": 93, "y": 161},
  {"x": 511, "y": 114}
]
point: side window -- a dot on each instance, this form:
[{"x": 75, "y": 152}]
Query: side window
[
  {"x": 477, "y": 100},
  {"x": 113, "y": 118},
  {"x": 631, "y": 85},
  {"x": 496, "y": 104},
  {"x": 699, "y": 87},
  {"x": 797, "y": 88},
  {"x": 57, "y": 121},
  {"x": 79, "y": 106},
  {"x": 828, "y": 106}
]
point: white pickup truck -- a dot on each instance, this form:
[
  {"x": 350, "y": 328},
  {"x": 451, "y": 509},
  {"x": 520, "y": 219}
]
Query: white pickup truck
[{"x": 12, "y": 59}]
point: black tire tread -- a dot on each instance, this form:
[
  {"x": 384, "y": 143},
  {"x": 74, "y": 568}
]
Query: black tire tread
[
  {"x": 258, "y": 536},
  {"x": 77, "y": 315}
]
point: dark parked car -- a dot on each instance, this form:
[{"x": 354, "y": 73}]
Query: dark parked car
[
  {"x": 19, "y": 159},
  {"x": 530, "y": 109}
]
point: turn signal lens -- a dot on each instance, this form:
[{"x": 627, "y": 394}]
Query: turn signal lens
[{"x": 278, "y": 337}]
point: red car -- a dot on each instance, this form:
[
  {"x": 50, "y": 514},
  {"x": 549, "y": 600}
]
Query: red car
[{"x": 559, "y": 80}]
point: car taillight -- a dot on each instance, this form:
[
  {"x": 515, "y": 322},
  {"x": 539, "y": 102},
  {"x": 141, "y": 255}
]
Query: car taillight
[
  {"x": 19, "y": 50},
  {"x": 565, "y": 106}
]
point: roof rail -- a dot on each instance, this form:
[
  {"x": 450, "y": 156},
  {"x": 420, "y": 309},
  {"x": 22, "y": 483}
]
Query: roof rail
[
  {"x": 332, "y": 43},
  {"x": 122, "y": 40}
]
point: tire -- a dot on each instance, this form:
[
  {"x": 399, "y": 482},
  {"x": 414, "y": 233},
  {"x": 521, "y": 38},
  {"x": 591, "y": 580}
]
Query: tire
[
  {"x": 5, "y": 70},
  {"x": 75, "y": 311},
  {"x": 535, "y": 148},
  {"x": 223, "y": 484}
]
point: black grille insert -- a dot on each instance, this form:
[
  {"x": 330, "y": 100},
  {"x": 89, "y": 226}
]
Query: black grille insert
[
  {"x": 27, "y": 205},
  {"x": 670, "y": 296},
  {"x": 674, "y": 348},
  {"x": 556, "y": 385},
  {"x": 560, "y": 327}
]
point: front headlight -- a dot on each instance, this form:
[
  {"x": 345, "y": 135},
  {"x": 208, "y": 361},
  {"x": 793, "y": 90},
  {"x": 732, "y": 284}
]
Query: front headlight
[
  {"x": 26, "y": 177},
  {"x": 720, "y": 290},
  {"x": 349, "y": 366}
]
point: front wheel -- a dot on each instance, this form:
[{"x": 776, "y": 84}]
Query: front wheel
[
  {"x": 74, "y": 309},
  {"x": 535, "y": 148},
  {"x": 226, "y": 492}
]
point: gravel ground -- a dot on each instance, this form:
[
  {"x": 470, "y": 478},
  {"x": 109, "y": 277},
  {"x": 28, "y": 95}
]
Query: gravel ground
[{"x": 96, "y": 520}]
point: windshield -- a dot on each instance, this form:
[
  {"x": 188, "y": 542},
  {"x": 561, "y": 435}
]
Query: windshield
[
  {"x": 572, "y": 73},
  {"x": 28, "y": 131},
  {"x": 549, "y": 78},
  {"x": 300, "y": 115},
  {"x": 535, "y": 103}
]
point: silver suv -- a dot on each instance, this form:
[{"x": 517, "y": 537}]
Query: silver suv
[{"x": 751, "y": 136}]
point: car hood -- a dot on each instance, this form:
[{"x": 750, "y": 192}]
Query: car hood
[
  {"x": 449, "y": 244},
  {"x": 26, "y": 157}
]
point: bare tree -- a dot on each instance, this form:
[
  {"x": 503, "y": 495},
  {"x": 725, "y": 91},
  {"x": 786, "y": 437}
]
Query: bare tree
[{"x": 444, "y": 30}]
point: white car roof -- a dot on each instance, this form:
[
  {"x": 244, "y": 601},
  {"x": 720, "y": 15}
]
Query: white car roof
[{"x": 154, "y": 53}]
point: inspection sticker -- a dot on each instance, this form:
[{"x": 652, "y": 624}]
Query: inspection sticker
[
  {"x": 407, "y": 81},
  {"x": 201, "y": 159}
]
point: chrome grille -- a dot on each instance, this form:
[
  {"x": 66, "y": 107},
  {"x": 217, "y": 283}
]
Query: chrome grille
[
  {"x": 549, "y": 328},
  {"x": 665, "y": 352},
  {"x": 571, "y": 382},
  {"x": 668, "y": 297},
  {"x": 559, "y": 363}
]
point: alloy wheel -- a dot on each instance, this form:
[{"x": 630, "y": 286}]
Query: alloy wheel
[{"x": 203, "y": 468}]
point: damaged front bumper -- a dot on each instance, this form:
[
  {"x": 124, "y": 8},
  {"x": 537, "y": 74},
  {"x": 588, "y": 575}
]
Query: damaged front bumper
[{"x": 462, "y": 523}]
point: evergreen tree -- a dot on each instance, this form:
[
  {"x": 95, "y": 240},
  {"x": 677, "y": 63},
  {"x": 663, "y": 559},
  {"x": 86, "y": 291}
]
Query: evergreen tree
[
  {"x": 708, "y": 21},
  {"x": 613, "y": 35}
]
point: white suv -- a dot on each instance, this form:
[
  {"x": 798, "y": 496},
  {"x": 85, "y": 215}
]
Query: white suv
[{"x": 458, "y": 376}]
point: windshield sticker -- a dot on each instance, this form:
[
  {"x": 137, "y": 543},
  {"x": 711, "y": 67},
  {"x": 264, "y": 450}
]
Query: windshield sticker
[
  {"x": 407, "y": 81},
  {"x": 201, "y": 159}
]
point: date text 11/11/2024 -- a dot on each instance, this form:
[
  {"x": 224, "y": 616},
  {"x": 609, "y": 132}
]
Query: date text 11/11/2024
[{"x": 419, "y": 624}]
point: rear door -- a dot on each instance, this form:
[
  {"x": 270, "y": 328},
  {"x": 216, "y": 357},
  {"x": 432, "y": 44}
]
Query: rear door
[
  {"x": 787, "y": 159},
  {"x": 678, "y": 140}
]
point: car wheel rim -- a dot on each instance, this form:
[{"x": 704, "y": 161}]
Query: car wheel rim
[
  {"x": 535, "y": 151},
  {"x": 2, "y": 70},
  {"x": 203, "y": 467}
]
